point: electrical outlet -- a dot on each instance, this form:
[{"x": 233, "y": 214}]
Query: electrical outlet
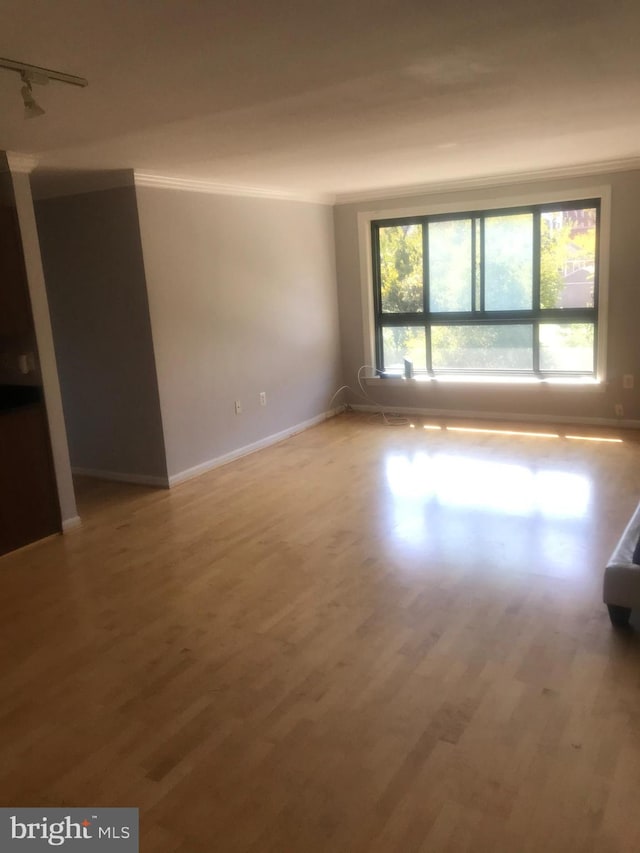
[
  {"x": 627, "y": 381},
  {"x": 238, "y": 407},
  {"x": 619, "y": 409},
  {"x": 263, "y": 398}
]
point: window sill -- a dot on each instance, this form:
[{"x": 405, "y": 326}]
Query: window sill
[{"x": 578, "y": 384}]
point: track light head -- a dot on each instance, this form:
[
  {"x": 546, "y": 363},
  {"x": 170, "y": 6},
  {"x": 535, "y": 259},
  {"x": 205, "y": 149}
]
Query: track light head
[{"x": 31, "y": 108}]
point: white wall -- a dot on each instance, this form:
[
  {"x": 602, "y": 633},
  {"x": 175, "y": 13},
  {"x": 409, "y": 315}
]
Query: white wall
[
  {"x": 544, "y": 401},
  {"x": 242, "y": 296}
]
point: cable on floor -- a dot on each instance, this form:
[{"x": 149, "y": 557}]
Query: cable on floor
[{"x": 388, "y": 418}]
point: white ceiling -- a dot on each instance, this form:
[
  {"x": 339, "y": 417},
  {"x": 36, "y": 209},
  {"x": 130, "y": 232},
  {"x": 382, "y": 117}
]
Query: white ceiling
[{"x": 332, "y": 97}]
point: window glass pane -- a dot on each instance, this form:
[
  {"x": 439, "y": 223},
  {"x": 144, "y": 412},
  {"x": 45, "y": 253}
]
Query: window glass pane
[
  {"x": 482, "y": 347},
  {"x": 566, "y": 347},
  {"x": 508, "y": 256},
  {"x": 401, "y": 268},
  {"x": 567, "y": 258},
  {"x": 400, "y": 342},
  {"x": 450, "y": 265}
]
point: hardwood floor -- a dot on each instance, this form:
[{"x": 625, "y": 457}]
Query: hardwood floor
[{"x": 366, "y": 638}]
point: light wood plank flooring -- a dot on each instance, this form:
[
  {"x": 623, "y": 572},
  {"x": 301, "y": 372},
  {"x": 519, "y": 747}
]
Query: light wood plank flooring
[{"x": 363, "y": 639}]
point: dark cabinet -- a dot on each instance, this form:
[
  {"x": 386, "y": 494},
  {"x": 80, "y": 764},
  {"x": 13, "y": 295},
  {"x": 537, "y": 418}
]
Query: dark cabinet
[
  {"x": 15, "y": 310},
  {"x": 29, "y": 507}
]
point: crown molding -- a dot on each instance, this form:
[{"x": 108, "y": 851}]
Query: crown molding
[
  {"x": 433, "y": 188},
  {"x": 21, "y": 163},
  {"x": 26, "y": 163},
  {"x": 148, "y": 179}
]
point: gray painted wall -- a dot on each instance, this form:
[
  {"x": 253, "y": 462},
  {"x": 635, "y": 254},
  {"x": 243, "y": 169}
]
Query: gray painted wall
[
  {"x": 99, "y": 312},
  {"x": 242, "y": 294},
  {"x": 623, "y": 348}
]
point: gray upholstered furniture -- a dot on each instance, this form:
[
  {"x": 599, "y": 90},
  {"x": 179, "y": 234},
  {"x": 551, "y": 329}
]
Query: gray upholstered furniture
[{"x": 621, "y": 589}]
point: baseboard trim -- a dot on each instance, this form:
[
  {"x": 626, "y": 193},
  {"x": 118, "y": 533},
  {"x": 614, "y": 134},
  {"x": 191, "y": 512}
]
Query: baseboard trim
[
  {"x": 71, "y": 523},
  {"x": 117, "y": 476},
  {"x": 619, "y": 423},
  {"x": 274, "y": 438}
]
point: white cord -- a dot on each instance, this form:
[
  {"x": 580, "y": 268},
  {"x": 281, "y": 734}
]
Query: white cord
[
  {"x": 389, "y": 420},
  {"x": 341, "y": 388}
]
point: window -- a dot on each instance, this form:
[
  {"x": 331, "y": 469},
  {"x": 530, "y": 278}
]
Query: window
[{"x": 496, "y": 292}]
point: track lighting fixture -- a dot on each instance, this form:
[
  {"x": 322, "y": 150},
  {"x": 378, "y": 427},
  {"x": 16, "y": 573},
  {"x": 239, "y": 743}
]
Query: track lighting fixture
[
  {"x": 31, "y": 108},
  {"x": 30, "y": 74}
]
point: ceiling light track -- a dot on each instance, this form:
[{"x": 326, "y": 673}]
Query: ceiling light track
[
  {"x": 30, "y": 74},
  {"x": 37, "y": 74}
]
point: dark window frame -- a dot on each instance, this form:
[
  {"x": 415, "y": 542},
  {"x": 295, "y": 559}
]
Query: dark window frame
[{"x": 478, "y": 315}]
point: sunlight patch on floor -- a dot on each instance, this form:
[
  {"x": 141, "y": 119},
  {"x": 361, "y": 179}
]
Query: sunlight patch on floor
[
  {"x": 594, "y": 438},
  {"x": 498, "y": 487},
  {"x": 504, "y": 432}
]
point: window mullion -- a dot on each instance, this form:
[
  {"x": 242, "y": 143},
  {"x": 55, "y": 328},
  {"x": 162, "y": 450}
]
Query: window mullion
[
  {"x": 536, "y": 346},
  {"x": 596, "y": 276},
  {"x": 425, "y": 292},
  {"x": 482, "y": 265},
  {"x": 474, "y": 267},
  {"x": 536, "y": 271}
]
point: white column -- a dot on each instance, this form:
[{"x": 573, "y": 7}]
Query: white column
[{"x": 20, "y": 167}]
